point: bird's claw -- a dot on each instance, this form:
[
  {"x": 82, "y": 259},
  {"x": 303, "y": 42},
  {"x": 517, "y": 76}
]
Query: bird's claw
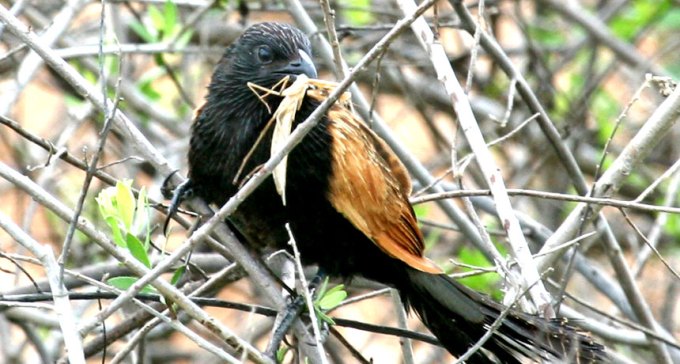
[
  {"x": 289, "y": 314},
  {"x": 180, "y": 194}
]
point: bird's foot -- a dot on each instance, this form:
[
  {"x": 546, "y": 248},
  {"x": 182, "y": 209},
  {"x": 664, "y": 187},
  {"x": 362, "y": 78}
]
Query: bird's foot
[
  {"x": 288, "y": 316},
  {"x": 181, "y": 193}
]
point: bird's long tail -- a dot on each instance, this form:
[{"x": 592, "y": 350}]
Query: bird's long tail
[{"x": 459, "y": 317}]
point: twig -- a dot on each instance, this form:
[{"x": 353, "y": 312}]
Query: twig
[
  {"x": 128, "y": 90},
  {"x": 32, "y": 62},
  {"x": 78, "y": 51},
  {"x": 161, "y": 318},
  {"x": 62, "y": 305},
  {"x": 318, "y": 342},
  {"x": 654, "y": 235},
  {"x": 341, "y": 69},
  {"x": 176, "y": 325},
  {"x": 637, "y": 336},
  {"x": 544, "y": 121},
  {"x": 84, "y": 88},
  {"x": 617, "y": 123},
  {"x": 644, "y": 238},
  {"x": 214, "y": 302},
  {"x": 475, "y": 46},
  {"x": 647, "y": 137},
  {"x": 125, "y": 258},
  {"x": 405, "y": 343},
  {"x": 208, "y": 262},
  {"x": 144, "y": 148},
  {"x": 20, "y": 268},
  {"x": 602, "y": 201},
  {"x": 355, "y": 353},
  {"x": 462, "y": 162},
  {"x": 656, "y": 126},
  {"x": 492, "y": 175},
  {"x": 496, "y": 324},
  {"x": 362, "y": 297},
  {"x": 652, "y": 186},
  {"x": 601, "y": 33},
  {"x": 103, "y": 135},
  {"x": 547, "y": 126}
]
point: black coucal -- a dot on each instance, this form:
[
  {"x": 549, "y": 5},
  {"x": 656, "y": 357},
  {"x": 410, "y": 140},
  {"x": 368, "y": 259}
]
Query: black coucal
[{"x": 347, "y": 203}]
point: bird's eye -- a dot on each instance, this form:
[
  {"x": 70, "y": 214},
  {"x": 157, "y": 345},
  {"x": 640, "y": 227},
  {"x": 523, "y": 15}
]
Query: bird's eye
[{"x": 265, "y": 54}]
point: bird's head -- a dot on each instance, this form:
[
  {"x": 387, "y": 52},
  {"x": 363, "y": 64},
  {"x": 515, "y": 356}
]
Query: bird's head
[{"x": 264, "y": 54}]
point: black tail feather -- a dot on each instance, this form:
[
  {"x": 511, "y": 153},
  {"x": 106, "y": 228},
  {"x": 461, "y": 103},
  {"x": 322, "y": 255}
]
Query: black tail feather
[{"x": 459, "y": 317}]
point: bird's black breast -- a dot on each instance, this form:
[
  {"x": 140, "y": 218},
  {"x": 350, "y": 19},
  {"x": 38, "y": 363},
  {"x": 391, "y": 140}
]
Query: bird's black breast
[{"x": 222, "y": 137}]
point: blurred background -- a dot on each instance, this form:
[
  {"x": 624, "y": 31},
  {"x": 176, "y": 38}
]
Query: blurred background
[{"x": 599, "y": 69}]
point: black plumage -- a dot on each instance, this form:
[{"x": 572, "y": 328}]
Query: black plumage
[{"x": 347, "y": 202}]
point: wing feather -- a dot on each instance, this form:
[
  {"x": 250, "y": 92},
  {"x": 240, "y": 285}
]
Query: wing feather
[{"x": 370, "y": 187}]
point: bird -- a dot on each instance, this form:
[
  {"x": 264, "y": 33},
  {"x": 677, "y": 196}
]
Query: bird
[{"x": 347, "y": 203}]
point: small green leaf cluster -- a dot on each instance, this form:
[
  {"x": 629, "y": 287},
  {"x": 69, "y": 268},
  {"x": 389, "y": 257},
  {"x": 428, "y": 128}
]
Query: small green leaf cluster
[
  {"x": 487, "y": 283},
  {"x": 328, "y": 299},
  {"x": 358, "y": 12},
  {"x": 162, "y": 26},
  {"x": 128, "y": 218}
]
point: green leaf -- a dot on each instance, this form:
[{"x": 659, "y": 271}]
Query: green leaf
[
  {"x": 112, "y": 65},
  {"x": 105, "y": 201},
  {"x": 420, "y": 210},
  {"x": 177, "y": 275},
  {"x": 323, "y": 317},
  {"x": 361, "y": 15},
  {"x": 547, "y": 37},
  {"x": 148, "y": 289},
  {"x": 328, "y": 299},
  {"x": 117, "y": 237},
  {"x": 332, "y": 298},
  {"x": 671, "y": 20},
  {"x": 638, "y": 180},
  {"x": 484, "y": 282},
  {"x": 125, "y": 202},
  {"x": 672, "y": 226},
  {"x": 605, "y": 110},
  {"x": 137, "y": 250},
  {"x": 124, "y": 283},
  {"x": 148, "y": 90},
  {"x": 170, "y": 15},
  {"x": 322, "y": 290},
  {"x": 637, "y": 17},
  {"x": 146, "y": 83},
  {"x": 142, "y": 32},
  {"x": 281, "y": 353},
  {"x": 184, "y": 39},
  {"x": 141, "y": 205},
  {"x": 157, "y": 20},
  {"x": 142, "y": 217}
]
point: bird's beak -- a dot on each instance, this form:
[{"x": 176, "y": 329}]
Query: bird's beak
[{"x": 300, "y": 66}]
